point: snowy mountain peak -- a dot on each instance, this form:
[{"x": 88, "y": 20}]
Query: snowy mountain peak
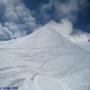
[{"x": 46, "y": 36}]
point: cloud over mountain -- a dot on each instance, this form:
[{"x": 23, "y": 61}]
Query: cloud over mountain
[{"x": 16, "y": 19}]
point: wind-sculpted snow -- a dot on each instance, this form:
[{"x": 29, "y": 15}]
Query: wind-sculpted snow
[{"x": 44, "y": 60}]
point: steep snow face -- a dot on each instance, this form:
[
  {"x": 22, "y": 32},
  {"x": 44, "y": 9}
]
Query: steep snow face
[{"x": 45, "y": 52}]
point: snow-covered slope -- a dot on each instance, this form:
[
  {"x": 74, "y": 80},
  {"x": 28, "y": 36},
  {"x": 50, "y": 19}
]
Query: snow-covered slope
[
  {"x": 82, "y": 41},
  {"x": 84, "y": 45},
  {"x": 35, "y": 61}
]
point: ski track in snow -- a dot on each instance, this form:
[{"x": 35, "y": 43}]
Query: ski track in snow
[{"x": 44, "y": 60}]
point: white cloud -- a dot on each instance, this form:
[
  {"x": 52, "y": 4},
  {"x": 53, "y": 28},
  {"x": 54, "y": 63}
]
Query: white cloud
[
  {"x": 67, "y": 9},
  {"x": 65, "y": 27},
  {"x": 4, "y": 32},
  {"x": 17, "y": 19}
]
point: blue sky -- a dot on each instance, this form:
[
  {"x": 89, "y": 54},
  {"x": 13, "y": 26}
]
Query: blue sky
[
  {"x": 21, "y": 17},
  {"x": 83, "y": 15}
]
